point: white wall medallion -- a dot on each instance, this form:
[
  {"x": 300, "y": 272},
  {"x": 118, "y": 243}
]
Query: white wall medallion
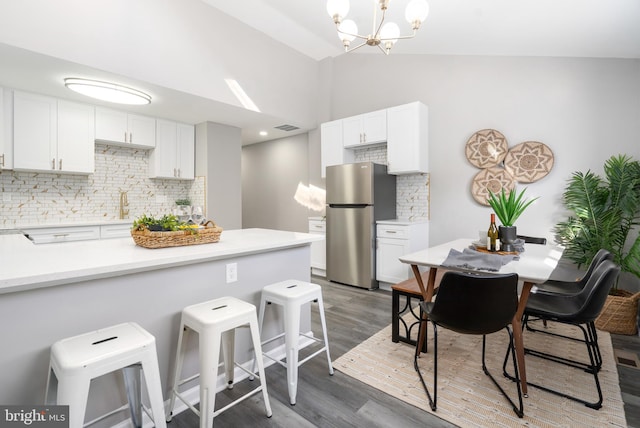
[
  {"x": 486, "y": 148},
  {"x": 529, "y": 161},
  {"x": 492, "y": 179}
]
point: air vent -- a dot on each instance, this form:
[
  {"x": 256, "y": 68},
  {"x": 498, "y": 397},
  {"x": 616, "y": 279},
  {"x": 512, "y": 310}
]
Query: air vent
[{"x": 287, "y": 128}]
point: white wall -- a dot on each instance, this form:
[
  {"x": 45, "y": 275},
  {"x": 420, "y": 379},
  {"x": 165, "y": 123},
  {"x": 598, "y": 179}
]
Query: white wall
[{"x": 585, "y": 110}]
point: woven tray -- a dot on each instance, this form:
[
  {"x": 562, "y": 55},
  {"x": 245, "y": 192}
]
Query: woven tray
[
  {"x": 501, "y": 253},
  {"x": 147, "y": 239}
]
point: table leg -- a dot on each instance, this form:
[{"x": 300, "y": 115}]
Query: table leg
[
  {"x": 427, "y": 294},
  {"x": 517, "y": 335}
]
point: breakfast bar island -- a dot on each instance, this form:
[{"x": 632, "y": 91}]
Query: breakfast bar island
[{"x": 52, "y": 291}]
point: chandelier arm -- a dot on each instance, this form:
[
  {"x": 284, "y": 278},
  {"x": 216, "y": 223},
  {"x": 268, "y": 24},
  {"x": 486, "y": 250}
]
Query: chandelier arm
[
  {"x": 411, "y": 36},
  {"x": 375, "y": 35},
  {"x": 350, "y": 34},
  {"x": 357, "y": 47},
  {"x": 384, "y": 51}
]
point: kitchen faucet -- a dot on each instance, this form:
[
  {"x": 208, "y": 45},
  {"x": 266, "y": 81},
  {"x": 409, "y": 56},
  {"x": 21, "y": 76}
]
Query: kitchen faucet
[{"x": 123, "y": 203}]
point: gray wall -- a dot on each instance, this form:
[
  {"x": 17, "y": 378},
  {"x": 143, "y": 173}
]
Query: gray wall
[
  {"x": 271, "y": 172},
  {"x": 218, "y": 154}
]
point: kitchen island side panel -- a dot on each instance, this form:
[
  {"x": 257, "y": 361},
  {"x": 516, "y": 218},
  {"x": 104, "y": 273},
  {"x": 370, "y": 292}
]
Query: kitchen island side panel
[{"x": 34, "y": 319}]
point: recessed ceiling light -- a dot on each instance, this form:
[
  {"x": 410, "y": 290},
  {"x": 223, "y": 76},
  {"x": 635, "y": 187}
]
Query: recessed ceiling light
[
  {"x": 263, "y": 133},
  {"x": 106, "y": 91}
]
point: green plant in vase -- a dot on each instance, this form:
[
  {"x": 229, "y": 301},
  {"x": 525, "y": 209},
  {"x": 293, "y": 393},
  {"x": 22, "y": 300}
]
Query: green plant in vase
[{"x": 508, "y": 208}]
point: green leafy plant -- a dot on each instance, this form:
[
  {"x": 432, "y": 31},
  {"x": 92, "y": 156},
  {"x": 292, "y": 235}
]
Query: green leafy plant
[
  {"x": 605, "y": 213},
  {"x": 509, "y": 208},
  {"x": 168, "y": 222},
  {"x": 185, "y": 201}
]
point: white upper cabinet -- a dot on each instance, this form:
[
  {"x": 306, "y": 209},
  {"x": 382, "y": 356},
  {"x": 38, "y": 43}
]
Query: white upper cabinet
[
  {"x": 76, "y": 142},
  {"x": 125, "y": 128},
  {"x": 332, "y": 151},
  {"x": 174, "y": 155},
  {"x": 407, "y": 139},
  {"x": 52, "y": 135},
  {"x": 6, "y": 129},
  {"x": 365, "y": 129}
]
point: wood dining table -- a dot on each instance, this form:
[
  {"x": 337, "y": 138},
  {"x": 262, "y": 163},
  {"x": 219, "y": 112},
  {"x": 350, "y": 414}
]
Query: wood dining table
[{"x": 534, "y": 266}]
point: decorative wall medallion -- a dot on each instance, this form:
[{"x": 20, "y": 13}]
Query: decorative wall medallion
[
  {"x": 529, "y": 161},
  {"x": 491, "y": 179},
  {"x": 486, "y": 148}
]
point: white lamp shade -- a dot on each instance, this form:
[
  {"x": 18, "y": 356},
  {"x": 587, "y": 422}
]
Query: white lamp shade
[
  {"x": 338, "y": 7},
  {"x": 417, "y": 10},
  {"x": 390, "y": 32},
  {"x": 347, "y": 30}
]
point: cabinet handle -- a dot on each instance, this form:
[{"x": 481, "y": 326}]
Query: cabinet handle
[
  {"x": 174, "y": 172},
  {"x": 179, "y": 173},
  {"x": 131, "y": 137},
  {"x": 53, "y": 163},
  {"x": 125, "y": 136},
  {"x": 2, "y": 157},
  {"x": 390, "y": 231},
  {"x": 364, "y": 137},
  {"x": 60, "y": 235},
  {"x": 60, "y": 164}
]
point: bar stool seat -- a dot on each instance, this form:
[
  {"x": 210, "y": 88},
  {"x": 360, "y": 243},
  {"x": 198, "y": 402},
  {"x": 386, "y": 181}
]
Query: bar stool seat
[
  {"x": 292, "y": 295},
  {"x": 215, "y": 322},
  {"x": 76, "y": 360}
]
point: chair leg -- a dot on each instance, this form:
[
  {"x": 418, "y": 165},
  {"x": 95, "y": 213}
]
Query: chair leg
[
  {"x": 593, "y": 367},
  {"x": 519, "y": 409},
  {"x": 423, "y": 325}
]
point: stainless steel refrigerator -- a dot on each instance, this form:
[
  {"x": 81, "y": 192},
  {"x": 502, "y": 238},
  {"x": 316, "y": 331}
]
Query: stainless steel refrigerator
[{"x": 358, "y": 195}]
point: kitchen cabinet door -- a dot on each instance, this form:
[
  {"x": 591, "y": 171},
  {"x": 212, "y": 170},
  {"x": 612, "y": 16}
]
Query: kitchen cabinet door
[
  {"x": 6, "y": 129},
  {"x": 407, "y": 139},
  {"x": 173, "y": 156},
  {"x": 394, "y": 240},
  {"x": 365, "y": 129},
  {"x": 318, "y": 248},
  {"x": 127, "y": 129},
  {"x": 34, "y": 132},
  {"x": 332, "y": 151},
  {"x": 75, "y": 142},
  {"x": 186, "y": 151}
]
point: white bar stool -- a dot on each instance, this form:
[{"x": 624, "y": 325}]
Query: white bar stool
[
  {"x": 215, "y": 322},
  {"x": 128, "y": 347},
  {"x": 291, "y": 295}
]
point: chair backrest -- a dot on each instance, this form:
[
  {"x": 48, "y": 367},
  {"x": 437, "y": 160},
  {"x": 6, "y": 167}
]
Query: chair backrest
[
  {"x": 590, "y": 301},
  {"x": 533, "y": 240},
  {"x": 475, "y": 303}
]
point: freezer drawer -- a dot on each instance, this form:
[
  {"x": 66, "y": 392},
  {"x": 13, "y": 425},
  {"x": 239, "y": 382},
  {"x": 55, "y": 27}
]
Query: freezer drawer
[{"x": 351, "y": 246}]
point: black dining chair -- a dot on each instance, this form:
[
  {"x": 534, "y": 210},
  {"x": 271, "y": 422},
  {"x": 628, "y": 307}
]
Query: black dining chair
[
  {"x": 579, "y": 310},
  {"x": 573, "y": 287},
  {"x": 532, "y": 239},
  {"x": 478, "y": 304}
]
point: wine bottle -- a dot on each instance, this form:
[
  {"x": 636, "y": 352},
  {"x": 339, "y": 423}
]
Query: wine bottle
[{"x": 492, "y": 235}]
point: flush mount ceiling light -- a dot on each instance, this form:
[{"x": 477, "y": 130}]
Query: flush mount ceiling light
[
  {"x": 382, "y": 36},
  {"x": 106, "y": 91}
]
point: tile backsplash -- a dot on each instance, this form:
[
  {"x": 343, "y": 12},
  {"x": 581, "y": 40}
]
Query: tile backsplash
[
  {"x": 37, "y": 198},
  {"x": 412, "y": 190}
]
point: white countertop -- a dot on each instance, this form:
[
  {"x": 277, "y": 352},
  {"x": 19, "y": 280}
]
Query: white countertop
[
  {"x": 26, "y": 266},
  {"x": 400, "y": 222},
  {"x": 75, "y": 224}
]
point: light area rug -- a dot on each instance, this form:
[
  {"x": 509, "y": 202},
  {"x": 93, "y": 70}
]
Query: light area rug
[{"x": 468, "y": 398}]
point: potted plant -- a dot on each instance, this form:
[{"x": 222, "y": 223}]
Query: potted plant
[
  {"x": 508, "y": 209},
  {"x": 605, "y": 213}
]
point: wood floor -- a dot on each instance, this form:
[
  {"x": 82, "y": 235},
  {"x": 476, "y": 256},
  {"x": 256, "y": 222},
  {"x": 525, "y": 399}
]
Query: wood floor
[{"x": 354, "y": 315}]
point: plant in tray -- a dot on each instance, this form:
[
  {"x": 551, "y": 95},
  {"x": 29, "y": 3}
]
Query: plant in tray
[{"x": 166, "y": 223}]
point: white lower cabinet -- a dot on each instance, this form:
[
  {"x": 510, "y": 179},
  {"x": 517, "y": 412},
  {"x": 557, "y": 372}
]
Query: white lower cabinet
[
  {"x": 317, "y": 226},
  {"x": 395, "y": 239},
  {"x": 109, "y": 231},
  {"x": 50, "y": 235}
]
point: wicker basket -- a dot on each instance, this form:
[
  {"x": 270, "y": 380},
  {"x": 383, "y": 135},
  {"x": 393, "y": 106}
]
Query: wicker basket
[
  {"x": 147, "y": 239},
  {"x": 619, "y": 314}
]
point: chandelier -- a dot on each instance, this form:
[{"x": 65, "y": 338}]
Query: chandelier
[{"x": 383, "y": 35}]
